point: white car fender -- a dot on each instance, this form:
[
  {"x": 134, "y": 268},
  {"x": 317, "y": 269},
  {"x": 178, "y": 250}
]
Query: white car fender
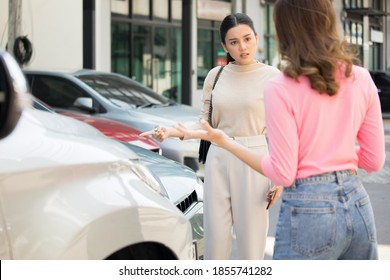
[{"x": 81, "y": 212}]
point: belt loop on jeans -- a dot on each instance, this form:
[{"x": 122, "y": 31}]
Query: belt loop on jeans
[
  {"x": 293, "y": 186},
  {"x": 352, "y": 172},
  {"x": 339, "y": 177},
  {"x": 340, "y": 174}
]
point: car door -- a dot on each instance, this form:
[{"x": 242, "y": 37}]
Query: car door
[{"x": 382, "y": 82}]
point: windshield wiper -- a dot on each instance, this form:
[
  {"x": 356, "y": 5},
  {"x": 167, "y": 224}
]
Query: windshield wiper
[
  {"x": 147, "y": 105},
  {"x": 154, "y": 105}
]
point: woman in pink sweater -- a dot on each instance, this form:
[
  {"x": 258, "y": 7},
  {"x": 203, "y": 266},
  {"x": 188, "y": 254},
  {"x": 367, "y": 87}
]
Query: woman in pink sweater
[{"x": 324, "y": 122}]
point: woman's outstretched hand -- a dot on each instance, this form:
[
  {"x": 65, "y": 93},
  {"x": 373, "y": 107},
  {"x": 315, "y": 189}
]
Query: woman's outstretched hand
[
  {"x": 216, "y": 136},
  {"x": 179, "y": 130},
  {"x": 159, "y": 133}
]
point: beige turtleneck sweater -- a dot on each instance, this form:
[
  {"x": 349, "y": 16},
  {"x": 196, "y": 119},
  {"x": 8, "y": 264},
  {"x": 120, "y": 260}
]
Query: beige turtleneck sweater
[{"x": 238, "y": 102}]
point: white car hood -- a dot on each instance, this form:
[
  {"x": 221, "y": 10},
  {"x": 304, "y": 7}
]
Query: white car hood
[{"x": 44, "y": 139}]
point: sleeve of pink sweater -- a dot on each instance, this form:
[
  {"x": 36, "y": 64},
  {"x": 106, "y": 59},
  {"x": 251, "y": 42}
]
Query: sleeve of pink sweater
[
  {"x": 281, "y": 165},
  {"x": 371, "y": 150}
]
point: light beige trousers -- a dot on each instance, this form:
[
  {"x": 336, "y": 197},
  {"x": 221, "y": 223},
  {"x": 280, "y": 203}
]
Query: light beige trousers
[{"x": 235, "y": 197}]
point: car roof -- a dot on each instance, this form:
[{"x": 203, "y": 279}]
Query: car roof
[
  {"x": 83, "y": 72},
  {"x": 72, "y": 73},
  {"x": 379, "y": 72}
]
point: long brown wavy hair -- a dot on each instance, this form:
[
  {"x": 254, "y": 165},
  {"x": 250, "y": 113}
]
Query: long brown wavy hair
[{"x": 309, "y": 43}]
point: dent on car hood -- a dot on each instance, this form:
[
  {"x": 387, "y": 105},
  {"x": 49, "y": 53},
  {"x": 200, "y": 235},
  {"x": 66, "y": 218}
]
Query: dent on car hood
[{"x": 178, "y": 180}]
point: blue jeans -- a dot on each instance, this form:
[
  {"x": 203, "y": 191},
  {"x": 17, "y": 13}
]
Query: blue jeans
[{"x": 326, "y": 217}]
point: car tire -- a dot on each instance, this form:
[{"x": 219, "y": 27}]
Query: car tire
[{"x": 144, "y": 251}]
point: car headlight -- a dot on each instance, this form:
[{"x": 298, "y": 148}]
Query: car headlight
[{"x": 147, "y": 177}]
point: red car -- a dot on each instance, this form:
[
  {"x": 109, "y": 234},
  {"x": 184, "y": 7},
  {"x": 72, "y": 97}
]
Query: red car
[{"x": 116, "y": 130}]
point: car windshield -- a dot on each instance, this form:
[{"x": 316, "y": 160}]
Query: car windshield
[{"x": 124, "y": 92}]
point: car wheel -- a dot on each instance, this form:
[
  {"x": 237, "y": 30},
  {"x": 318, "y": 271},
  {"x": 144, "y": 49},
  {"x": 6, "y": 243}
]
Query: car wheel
[{"x": 144, "y": 251}]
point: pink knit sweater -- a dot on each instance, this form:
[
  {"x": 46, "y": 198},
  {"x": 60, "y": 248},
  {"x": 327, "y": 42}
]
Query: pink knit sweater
[{"x": 311, "y": 133}]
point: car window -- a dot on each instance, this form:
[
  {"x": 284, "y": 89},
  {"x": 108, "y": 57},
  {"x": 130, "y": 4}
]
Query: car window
[
  {"x": 124, "y": 92},
  {"x": 55, "y": 92}
]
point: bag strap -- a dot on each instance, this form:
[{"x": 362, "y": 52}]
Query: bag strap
[
  {"x": 217, "y": 76},
  {"x": 211, "y": 95}
]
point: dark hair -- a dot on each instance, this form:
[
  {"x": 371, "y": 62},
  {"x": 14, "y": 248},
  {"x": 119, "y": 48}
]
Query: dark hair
[
  {"x": 231, "y": 21},
  {"x": 309, "y": 42}
]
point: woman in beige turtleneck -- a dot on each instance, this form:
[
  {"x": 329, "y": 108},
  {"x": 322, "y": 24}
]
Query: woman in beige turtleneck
[{"x": 235, "y": 196}]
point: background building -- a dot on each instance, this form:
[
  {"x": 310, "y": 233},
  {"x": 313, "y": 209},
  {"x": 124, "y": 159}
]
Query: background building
[{"x": 169, "y": 45}]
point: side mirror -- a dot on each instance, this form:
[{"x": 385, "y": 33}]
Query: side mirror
[
  {"x": 84, "y": 103},
  {"x": 14, "y": 95}
]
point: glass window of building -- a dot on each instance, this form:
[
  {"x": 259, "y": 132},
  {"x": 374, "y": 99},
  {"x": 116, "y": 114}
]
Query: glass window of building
[
  {"x": 375, "y": 61},
  {"x": 204, "y": 61},
  {"x": 174, "y": 91},
  {"x": 120, "y": 45},
  {"x": 210, "y": 13},
  {"x": 161, "y": 63},
  {"x": 377, "y": 39},
  {"x": 141, "y": 56},
  {"x": 146, "y": 43},
  {"x": 210, "y": 51},
  {"x": 270, "y": 52},
  {"x": 353, "y": 4},
  {"x": 353, "y": 32},
  {"x": 377, "y": 4}
]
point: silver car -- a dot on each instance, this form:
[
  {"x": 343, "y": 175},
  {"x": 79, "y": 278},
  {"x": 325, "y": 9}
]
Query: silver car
[{"x": 119, "y": 98}]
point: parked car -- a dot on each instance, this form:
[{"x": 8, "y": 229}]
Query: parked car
[
  {"x": 184, "y": 189},
  {"x": 180, "y": 184},
  {"x": 382, "y": 82},
  {"x": 67, "y": 196},
  {"x": 118, "y": 98},
  {"x": 113, "y": 129}
]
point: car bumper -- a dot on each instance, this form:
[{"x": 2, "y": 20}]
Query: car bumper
[
  {"x": 185, "y": 152},
  {"x": 195, "y": 216}
]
